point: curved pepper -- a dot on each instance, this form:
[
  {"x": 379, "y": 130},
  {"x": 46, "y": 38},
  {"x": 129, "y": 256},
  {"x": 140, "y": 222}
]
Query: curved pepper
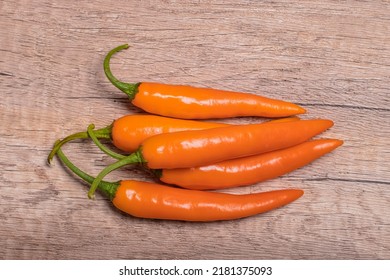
[
  {"x": 155, "y": 201},
  {"x": 187, "y": 102},
  {"x": 249, "y": 170}
]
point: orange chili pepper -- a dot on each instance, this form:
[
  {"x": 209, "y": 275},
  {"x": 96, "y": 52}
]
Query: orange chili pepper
[
  {"x": 155, "y": 201},
  {"x": 128, "y": 132},
  {"x": 187, "y": 102},
  {"x": 187, "y": 149},
  {"x": 197, "y": 148},
  {"x": 128, "y": 135},
  {"x": 249, "y": 170}
]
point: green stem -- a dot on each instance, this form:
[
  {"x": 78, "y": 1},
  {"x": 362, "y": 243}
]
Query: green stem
[
  {"x": 130, "y": 89},
  {"x": 92, "y": 135},
  {"x": 100, "y": 133},
  {"x": 155, "y": 172},
  {"x": 135, "y": 157},
  {"x": 108, "y": 188}
]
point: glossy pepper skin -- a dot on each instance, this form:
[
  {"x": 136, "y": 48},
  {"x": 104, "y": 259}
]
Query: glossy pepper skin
[
  {"x": 249, "y": 170},
  {"x": 128, "y": 132},
  {"x": 188, "y": 149},
  {"x": 198, "y": 148},
  {"x": 156, "y": 201},
  {"x": 241, "y": 171},
  {"x": 187, "y": 102}
]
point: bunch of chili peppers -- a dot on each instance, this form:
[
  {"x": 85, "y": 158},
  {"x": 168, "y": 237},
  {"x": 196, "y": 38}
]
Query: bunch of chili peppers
[{"x": 192, "y": 158}]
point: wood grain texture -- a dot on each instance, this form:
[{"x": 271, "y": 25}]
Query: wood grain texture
[{"x": 332, "y": 57}]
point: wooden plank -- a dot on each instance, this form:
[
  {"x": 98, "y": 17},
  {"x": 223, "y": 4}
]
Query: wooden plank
[{"x": 332, "y": 57}]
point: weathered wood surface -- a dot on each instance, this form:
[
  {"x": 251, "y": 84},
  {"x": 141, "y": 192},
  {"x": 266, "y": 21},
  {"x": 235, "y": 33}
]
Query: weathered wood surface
[{"x": 331, "y": 57}]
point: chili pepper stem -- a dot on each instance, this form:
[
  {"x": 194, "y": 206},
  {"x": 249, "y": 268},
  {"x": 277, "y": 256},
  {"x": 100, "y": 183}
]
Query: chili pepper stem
[
  {"x": 128, "y": 88},
  {"x": 104, "y": 149},
  {"x": 103, "y": 133},
  {"x": 135, "y": 157},
  {"x": 108, "y": 188},
  {"x": 155, "y": 172}
]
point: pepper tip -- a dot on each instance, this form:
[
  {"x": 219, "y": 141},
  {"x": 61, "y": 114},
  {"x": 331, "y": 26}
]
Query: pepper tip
[
  {"x": 300, "y": 110},
  {"x": 297, "y": 193}
]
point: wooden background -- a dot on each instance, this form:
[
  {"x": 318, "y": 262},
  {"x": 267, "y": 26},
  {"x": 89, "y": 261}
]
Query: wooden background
[{"x": 332, "y": 57}]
